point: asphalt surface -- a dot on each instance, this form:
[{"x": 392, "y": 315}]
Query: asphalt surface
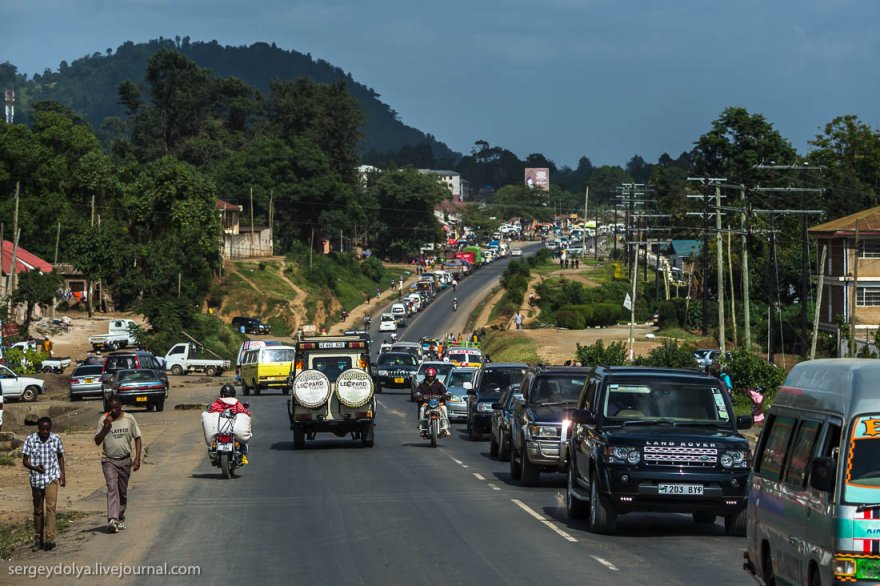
[{"x": 403, "y": 513}]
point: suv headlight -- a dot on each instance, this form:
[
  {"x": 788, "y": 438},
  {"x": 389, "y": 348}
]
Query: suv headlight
[
  {"x": 384, "y": 373},
  {"x": 735, "y": 459},
  {"x": 544, "y": 431},
  {"x": 843, "y": 567},
  {"x": 622, "y": 455},
  {"x": 484, "y": 407}
]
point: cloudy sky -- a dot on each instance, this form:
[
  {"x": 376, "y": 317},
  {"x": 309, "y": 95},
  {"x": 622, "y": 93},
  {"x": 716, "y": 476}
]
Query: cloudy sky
[{"x": 605, "y": 79}]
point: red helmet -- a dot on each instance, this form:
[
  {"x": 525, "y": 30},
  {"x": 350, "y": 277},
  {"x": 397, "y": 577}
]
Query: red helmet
[{"x": 431, "y": 372}]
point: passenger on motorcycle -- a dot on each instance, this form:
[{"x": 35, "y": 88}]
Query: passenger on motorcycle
[
  {"x": 225, "y": 401},
  {"x": 431, "y": 387}
]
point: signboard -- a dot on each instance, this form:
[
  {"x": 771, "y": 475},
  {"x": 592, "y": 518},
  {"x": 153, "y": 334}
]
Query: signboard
[{"x": 538, "y": 177}]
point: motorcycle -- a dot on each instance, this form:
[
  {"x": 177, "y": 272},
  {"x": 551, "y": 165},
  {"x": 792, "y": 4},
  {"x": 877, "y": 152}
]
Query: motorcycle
[
  {"x": 433, "y": 424},
  {"x": 455, "y": 305},
  {"x": 225, "y": 450}
]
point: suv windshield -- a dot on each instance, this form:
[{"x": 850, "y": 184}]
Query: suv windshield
[
  {"x": 397, "y": 359},
  {"x": 669, "y": 400},
  {"x": 498, "y": 379},
  {"x": 459, "y": 377},
  {"x": 557, "y": 388}
]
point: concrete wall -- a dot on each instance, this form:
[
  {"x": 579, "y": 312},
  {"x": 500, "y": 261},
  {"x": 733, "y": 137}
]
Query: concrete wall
[{"x": 248, "y": 244}]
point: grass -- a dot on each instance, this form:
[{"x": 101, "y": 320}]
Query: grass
[
  {"x": 9, "y": 460},
  {"x": 509, "y": 347},
  {"x": 15, "y": 535},
  {"x": 679, "y": 334},
  {"x": 471, "y": 322}
]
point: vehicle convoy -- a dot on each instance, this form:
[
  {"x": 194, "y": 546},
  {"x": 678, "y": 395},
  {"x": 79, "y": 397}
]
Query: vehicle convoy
[
  {"x": 537, "y": 420},
  {"x": 183, "y": 359},
  {"x": 395, "y": 370},
  {"x": 119, "y": 335},
  {"x": 266, "y": 367},
  {"x": 332, "y": 390},
  {"x": 654, "y": 439},
  {"x": 813, "y": 513}
]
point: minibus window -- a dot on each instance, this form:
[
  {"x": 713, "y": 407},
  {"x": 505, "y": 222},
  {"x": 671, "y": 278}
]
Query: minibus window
[
  {"x": 802, "y": 449},
  {"x": 773, "y": 455},
  {"x": 863, "y": 464}
]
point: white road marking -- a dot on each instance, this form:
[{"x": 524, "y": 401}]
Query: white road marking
[
  {"x": 457, "y": 461},
  {"x": 478, "y": 476},
  {"x": 544, "y": 521},
  {"x": 606, "y": 563},
  {"x": 494, "y": 487},
  {"x": 392, "y": 411}
]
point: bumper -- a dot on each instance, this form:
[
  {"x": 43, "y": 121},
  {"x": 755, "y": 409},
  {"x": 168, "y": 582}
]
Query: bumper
[
  {"x": 637, "y": 490},
  {"x": 543, "y": 452},
  {"x": 482, "y": 421},
  {"x": 456, "y": 410},
  {"x": 395, "y": 382},
  {"x": 85, "y": 390},
  {"x": 136, "y": 399}
]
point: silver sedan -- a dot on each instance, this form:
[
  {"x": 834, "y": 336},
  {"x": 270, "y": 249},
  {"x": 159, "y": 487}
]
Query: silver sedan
[
  {"x": 85, "y": 381},
  {"x": 455, "y": 385}
]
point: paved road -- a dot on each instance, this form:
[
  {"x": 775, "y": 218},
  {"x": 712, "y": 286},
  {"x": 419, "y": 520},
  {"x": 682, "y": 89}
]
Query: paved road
[{"x": 403, "y": 513}]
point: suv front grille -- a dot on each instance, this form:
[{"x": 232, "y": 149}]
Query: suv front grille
[{"x": 681, "y": 456}]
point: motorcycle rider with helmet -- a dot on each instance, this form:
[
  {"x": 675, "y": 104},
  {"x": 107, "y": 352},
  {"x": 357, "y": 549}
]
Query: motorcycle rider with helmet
[
  {"x": 432, "y": 387},
  {"x": 225, "y": 401}
]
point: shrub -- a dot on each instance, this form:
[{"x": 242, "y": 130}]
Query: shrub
[
  {"x": 597, "y": 354},
  {"x": 750, "y": 371},
  {"x": 570, "y": 318},
  {"x": 672, "y": 314},
  {"x": 605, "y": 314},
  {"x": 670, "y": 354},
  {"x": 373, "y": 269}
]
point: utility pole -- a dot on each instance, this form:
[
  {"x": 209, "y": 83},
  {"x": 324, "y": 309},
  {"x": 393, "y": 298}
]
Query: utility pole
[
  {"x": 719, "y": 246},
  {"x": 745, "y": 269},
  {"x": 818, "y": 302},
  {"x": 586, "y": 209},
  {"x": 854, "y": 294},
  {"x": 706, "y": 182},
  {"x": 732, "y": 288},
  {"x": 12, "y": 269}
]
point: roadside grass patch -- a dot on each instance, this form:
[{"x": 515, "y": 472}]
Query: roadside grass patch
[
  {"x": 679, "y": 334},
  {"x": 509, "y": 347},
  {"x": 15, "y": 535}
]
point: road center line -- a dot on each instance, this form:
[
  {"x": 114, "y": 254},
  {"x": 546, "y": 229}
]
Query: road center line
[
  {"x": 493, "y": 486},
  {"x": 606, "y": 563},
  {"x": 478, "y": 476},
  {"x": 544, "y": 521}
]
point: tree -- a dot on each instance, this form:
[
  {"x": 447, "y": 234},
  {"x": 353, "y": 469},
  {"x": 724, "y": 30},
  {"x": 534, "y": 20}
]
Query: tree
[
  {"x": 599, "y": 355},
  {"x": 35, "y": 287},
  {"x": 670, "y": 354},
  {"x": 738, "y": 141},
  {"x": 850, "y": 151}
]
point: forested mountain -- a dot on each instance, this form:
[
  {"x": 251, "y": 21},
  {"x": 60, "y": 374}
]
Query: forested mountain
[{"x": 88, "y": 85}]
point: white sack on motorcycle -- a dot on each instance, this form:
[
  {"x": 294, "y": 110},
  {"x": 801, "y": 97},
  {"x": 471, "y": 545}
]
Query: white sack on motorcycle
[{"x": 241, "y": 426}]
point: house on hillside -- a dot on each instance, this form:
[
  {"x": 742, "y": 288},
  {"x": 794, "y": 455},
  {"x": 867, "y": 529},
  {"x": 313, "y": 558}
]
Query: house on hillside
[
  {"x": 852, "y": 266},
  {"x": 682, "y": 254},
  {"x": 242, "y": 241},
  {"x": 24, "y": 261},
  {"x": 459, "y": 187}
]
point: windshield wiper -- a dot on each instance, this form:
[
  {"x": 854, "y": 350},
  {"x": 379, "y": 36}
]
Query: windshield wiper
[
  {"x": 870, "y": 507},
  {"x": 551, "y": 403},
  {"x": 649, "y": 422}
]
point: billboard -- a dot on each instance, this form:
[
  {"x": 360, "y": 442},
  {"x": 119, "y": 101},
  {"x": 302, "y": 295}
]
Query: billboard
[{"x": 538, "y": 177}]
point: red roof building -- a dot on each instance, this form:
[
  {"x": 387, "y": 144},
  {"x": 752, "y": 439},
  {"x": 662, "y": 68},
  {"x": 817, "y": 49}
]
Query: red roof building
[{"x": 25, "y": 261}]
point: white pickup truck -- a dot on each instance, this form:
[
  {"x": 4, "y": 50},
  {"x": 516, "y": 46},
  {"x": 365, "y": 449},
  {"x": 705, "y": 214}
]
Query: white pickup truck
[
  {"x": 181, "y": 359},
  {"x": 119, "y": 335}
]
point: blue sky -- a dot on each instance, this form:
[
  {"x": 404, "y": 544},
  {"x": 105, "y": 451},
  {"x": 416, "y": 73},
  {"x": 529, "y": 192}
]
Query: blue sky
[{"x": 605, "y": 79}]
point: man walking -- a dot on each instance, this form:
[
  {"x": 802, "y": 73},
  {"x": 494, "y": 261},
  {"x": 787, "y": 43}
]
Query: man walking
[
  {"x": 43, "y": 455},
  {"x": 518, "y": 320},
  {"x": 116, "y": 430}
]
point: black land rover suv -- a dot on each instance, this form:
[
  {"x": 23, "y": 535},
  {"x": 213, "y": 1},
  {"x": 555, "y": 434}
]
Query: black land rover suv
[
  {"x": 657, "y": 439},
  {"x": 251, "y": 325}
]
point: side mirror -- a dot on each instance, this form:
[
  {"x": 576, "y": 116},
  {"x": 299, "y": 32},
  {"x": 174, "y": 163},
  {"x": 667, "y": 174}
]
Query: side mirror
[
  {"x": 418, "y": 397},
  {"x": 745, "y": 421},
  {"x": 822, "y": 474},
  {"x": 247, "y": 405},
  {"x": 497, "y": 406},
  {"x": 582, "y": 416},
  {"x": 471, "y": 391},
  {"x": 468, "y": 385}
]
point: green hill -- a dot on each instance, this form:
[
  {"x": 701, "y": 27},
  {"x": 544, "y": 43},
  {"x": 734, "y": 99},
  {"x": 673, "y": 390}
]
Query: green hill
[{"x": 88, "y": 85}]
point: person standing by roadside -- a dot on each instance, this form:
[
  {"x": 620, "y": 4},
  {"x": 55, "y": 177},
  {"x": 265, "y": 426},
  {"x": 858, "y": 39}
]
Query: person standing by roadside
[
  {"x": 518, "y": 320},
  {"x": 116, "y": 431},
  {"x": 43, "y": 455}
]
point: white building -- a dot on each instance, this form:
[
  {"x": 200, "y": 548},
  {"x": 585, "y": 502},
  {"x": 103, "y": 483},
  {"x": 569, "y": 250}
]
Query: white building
[{"x": 460, "y": 188}]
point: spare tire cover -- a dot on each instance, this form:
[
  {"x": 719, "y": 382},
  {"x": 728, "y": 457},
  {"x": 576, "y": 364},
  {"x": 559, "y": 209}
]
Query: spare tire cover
[
  {"x": 311, "y": 388},
  {"x": 354, "y": 387}
]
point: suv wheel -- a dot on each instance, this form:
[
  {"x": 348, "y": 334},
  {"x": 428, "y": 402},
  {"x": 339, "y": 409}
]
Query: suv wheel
[
  {"x": 245, "y": 389},
  {"x": 503, "y": 448},
  {"x": 704, "y": 518},
  {"x": 475, "y": 434},
  {"x": 530, "y": 474},
  {"x": 176, "y": 370},
  {"x": 603, "y": 518},
  {"x": 29, "y": 394},
  {"x": 493, "y": 446},
  {"x": 160, "y": 405},
  {"x": 735, "y": 524},
  {"x": 299, "y": 437},
  {"x": 576, "y": 508},
  {"x": 514, "y": 465}
]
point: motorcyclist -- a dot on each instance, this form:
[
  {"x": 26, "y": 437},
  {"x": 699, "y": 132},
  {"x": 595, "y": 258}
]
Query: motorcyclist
[
  {"x": 432, "y": 387},
  {"x": 225, "y": 401},
  {"x": 454, "y": 303}
]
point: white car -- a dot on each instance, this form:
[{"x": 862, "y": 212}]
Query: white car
[
  {"x": 516, "y": 252},
  {"x": 22, "y": 388},
  {"x": 388, "y": 323}
]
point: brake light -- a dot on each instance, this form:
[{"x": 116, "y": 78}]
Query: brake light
[
  {"x": 304, "y": 417},
  {"x": 224, "y": 438}
]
